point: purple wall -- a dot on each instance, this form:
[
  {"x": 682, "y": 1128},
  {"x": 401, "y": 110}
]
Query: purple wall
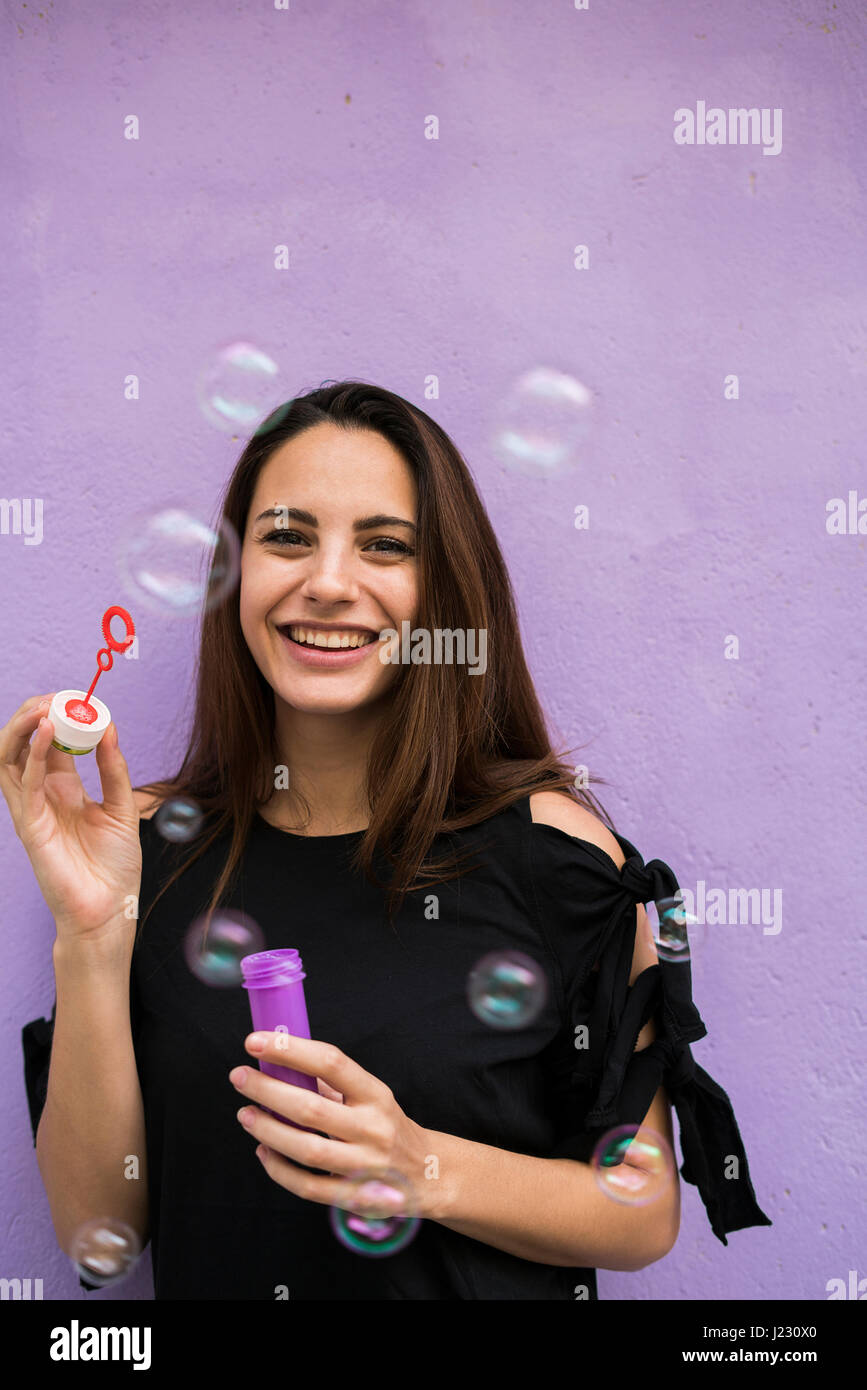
[{"x": 412, "y": 257}]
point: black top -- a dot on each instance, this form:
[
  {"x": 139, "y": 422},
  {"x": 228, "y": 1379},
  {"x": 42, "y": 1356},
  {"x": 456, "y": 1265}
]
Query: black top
[{"x": 396, "y": 1004}]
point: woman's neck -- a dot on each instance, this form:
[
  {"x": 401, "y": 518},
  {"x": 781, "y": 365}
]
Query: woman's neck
[
  {"x": 320, "y": 780},
  {"x": 275, "y": 814}
]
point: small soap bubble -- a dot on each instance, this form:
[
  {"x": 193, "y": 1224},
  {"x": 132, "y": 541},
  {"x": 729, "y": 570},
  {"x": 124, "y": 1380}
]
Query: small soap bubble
[
  {"x": 670, "y": 930},
  {"x": 177, "y": 565},
  {"x": 378, "y": 1215},
  {"x": 633, "y": 1164},
  {"x": 507, "y": 989},
  {"x": 543, "y": 423},
  {"x": 236, "y": 388},
  {"x": 214, "y": 953},
  {"x": 179, "y": 820},
  {"x": 275, "y": 419},
  {"x": 103, "y": 1250}
]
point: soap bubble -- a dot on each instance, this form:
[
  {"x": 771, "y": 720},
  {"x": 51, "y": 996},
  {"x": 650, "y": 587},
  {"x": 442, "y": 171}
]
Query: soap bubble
[
  {"x": 670, "y": 931},
  {"x": 383, "y": 1216},
  {"x": 274, "y": 419},
  {"x": 103, "y": 1250},
  {"x": 179, "y": 820},
  {"x": 214, "y": 953},
  {"x": 633, "y": 1164},
  {"x": 177, "y": 565},
  {"x": 507, "y": 989},
  {"x": 236, "y": 388},
  {"x": 543, "y": 422}
]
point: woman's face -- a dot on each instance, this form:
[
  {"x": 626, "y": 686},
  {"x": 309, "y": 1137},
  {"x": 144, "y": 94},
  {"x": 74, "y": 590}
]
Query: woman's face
[{"x": 334, "y": 570}]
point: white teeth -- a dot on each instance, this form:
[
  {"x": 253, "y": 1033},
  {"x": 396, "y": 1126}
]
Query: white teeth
[{"x": 313, "y": 638}]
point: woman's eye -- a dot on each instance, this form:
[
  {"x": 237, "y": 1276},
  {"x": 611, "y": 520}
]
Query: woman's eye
[
  {"x": 281, "y": 535},
  {"x": 399, "y": 547}
]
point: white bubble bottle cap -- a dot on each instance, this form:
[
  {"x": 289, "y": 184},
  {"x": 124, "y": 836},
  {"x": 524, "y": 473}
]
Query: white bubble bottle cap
[{"x": 74, "y": 735}]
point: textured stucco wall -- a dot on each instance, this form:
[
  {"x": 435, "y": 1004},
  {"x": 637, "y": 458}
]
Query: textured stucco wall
[{"x": 412, "y": 257}]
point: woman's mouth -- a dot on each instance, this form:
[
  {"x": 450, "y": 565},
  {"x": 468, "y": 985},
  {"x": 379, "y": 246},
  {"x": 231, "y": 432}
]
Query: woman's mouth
[{"x": 334, "y": 647}]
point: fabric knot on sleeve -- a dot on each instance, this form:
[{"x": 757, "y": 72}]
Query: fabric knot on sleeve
[
  {"x": 648, "y": 883},
  {"x": 588, "y": 907}
]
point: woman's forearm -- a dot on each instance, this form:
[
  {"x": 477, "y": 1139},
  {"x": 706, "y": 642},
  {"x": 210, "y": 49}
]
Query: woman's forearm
[
  {"x": 548, "y": 1210},
  {"x": 93, "y": 1119}
]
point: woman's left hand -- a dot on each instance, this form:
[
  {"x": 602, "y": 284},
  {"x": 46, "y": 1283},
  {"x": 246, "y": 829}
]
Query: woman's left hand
[{"x": 366, "y": 1128}]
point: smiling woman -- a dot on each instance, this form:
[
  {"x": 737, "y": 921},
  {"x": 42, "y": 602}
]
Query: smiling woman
[
  {"x": 395, "y": 823},
  {"x": 404, "y": 749}
]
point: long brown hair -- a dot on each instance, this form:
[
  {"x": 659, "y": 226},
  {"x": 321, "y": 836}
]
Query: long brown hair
[{"x": 453, "y": 749}]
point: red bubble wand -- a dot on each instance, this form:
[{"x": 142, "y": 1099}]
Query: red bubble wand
[{"x": 81, "y": 710}]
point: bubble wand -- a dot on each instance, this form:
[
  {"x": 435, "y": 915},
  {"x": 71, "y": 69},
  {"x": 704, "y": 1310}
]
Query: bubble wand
[{"x": 79, "y": 724}]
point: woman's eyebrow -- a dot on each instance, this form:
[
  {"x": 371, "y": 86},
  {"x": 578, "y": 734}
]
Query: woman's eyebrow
[{"x": 365, "y": 523}]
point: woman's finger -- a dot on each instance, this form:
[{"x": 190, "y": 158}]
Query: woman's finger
[
  {"x": 33, "y": 777},
  {"x": 14, "y": 746},
  {"x": 328, "y": 1091},
  {"x": 18, "y": 731},
  {"x": 117, "y": 794},
  {"x": 58, "y": 761}
]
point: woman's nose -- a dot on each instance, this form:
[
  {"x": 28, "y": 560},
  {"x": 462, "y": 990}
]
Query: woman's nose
[{"x": 330, "y": 576}]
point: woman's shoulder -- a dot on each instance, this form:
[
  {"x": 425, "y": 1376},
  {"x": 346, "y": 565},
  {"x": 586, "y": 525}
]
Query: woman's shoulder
[{"x": 559, "y": 810}]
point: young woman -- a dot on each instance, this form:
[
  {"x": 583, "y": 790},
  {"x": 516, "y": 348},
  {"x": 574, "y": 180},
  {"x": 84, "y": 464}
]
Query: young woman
[{"x": 396, "y": 822}]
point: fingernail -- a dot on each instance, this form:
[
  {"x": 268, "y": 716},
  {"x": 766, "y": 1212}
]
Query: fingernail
[{"x": 256, "y": 1042}]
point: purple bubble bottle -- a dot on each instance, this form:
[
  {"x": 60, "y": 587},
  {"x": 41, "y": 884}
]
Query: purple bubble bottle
[{"x": 274, "y": 982}]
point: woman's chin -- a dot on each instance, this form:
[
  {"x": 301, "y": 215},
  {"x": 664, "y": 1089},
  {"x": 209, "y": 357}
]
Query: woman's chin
[{"x": 319, "y": 693}]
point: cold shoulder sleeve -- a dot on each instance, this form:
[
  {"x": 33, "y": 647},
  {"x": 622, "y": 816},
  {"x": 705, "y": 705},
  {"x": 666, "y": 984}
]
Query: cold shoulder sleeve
[{"x": 587, "y": 913}]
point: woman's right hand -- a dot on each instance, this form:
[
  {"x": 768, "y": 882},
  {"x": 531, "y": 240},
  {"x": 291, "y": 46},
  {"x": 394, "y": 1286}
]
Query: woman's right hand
[{"x": 86, "y": 855}]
